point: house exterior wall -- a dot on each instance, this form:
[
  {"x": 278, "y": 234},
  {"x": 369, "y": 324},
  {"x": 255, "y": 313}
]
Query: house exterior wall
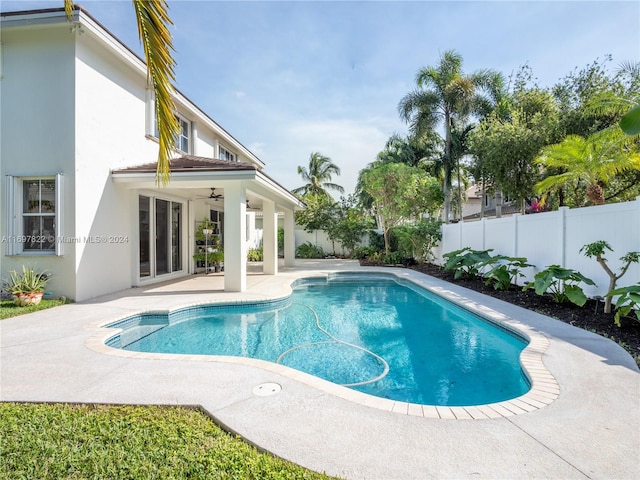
[
  {"x": 75, "y": 103},
  {"x": 37, "y": 118},
  {"x": 110, "y": 133}
]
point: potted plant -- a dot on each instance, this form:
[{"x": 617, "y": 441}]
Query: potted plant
[
  {"x": 205, "y": 226},
  {"x": 27, "y": 288},
  {"x": 216, "y": 259}
]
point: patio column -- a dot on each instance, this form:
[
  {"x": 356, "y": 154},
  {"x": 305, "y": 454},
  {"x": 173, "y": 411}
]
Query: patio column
[
  {"x": 270, "y": 238},
  {"x": 289, "y": 239},
  {"x": 235, "y": 244}
]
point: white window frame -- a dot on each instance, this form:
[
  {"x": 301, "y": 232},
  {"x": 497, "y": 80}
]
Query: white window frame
[
  {"x": 224, "y": 154},
  {"x": 15, "y": 215},
  {"x": 184, "y": 135}
]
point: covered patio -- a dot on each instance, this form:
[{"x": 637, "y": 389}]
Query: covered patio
[{"x": 232, "y": 187}]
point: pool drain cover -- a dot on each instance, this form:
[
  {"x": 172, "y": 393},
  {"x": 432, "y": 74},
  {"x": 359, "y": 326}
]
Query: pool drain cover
[{"x": 266, "y": 389}]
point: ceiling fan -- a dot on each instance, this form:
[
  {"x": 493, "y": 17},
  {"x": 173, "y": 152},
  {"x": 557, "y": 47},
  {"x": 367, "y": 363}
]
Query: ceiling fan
[
  {"x": 212, "y": 196},
  {"x": 215, "y": 196}
]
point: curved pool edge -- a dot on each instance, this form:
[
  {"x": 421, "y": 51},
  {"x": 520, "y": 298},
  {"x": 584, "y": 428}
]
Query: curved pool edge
[{"x": 544, "y": 387}]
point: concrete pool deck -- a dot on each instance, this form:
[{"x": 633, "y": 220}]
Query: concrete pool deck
[{"x": 591, "y": 430}]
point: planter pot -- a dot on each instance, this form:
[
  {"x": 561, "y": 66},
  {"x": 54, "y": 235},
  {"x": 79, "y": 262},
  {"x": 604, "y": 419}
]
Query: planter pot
[{"x": 24, "y": 299}]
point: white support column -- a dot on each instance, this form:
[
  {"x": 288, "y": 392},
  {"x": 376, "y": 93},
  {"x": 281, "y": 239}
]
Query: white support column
[
  {"x": 270, "y": 238},
  {"x": 235, "y": 243},
  {"x": 191, "y": 236},
  {"x": 289, "y": 239}
]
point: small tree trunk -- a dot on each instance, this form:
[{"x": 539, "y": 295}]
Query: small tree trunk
[
  {"x": 484, "y": 192},
  {"x": 459, "y": 191},
  {"x": 612, "y": 282},
  {"x": 498, "y": 203},
  {"x": 385, "y": 234},
  {"x": 447, "y": 202}
]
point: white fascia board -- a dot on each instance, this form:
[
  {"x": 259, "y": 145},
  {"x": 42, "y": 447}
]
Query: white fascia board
[
  {"x": 35, "y": 19},
  {"x": 282, "y": 194},
  {"x": 182, "y": 179}
]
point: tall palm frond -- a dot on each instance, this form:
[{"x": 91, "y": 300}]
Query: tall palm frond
[
  {"x": 318, "y": 176},
  {"x": 421, "y": 110},
  {"x": 153, "y": 21},
  {"x": 593, "y": 160}
]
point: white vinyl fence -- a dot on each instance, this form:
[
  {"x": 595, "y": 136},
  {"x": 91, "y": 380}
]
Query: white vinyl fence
[
  {"x": 320, "y": 238},
  {"x": 556, "y": 238}
]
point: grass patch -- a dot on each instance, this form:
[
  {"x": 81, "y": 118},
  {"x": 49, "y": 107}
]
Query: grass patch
[
  {"x": 9, "y": 309},
  {"x": 48, "y": 441}
]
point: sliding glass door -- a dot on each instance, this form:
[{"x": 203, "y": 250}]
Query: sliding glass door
[{"x": 160, "y": 229}]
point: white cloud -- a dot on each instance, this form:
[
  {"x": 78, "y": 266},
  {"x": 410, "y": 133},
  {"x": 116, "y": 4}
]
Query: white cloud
[{"x": 351, "y": 144}]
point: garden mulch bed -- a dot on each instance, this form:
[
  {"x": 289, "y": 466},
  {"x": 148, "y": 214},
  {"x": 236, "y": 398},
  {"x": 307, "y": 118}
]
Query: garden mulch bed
[{"x": 589, "y": 317}]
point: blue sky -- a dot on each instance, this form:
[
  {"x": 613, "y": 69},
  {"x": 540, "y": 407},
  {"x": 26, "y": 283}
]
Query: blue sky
[{"x": 287, "y": 78}]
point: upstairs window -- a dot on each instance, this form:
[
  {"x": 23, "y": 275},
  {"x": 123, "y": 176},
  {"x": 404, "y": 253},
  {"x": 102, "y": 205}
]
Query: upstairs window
[
  {"x": 224, "y": 154},
  {"x": 183, "y": 139},
  {"x": 34, "y": 208}
]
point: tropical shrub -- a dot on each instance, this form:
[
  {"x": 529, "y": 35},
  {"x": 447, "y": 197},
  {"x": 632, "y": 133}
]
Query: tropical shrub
[
  {"x": 363, "y": 252},
  {"x": 418, "y": 240},
  {"x": 466, "y": 262},
  {"x": 280, "y": 238},
  {"x": 308, "y": 250},
  {"x": 393, "y": 258},
  {"x": 505, "y": 271},
  {"x": 255, "y": 254},
  {"x": 349, "y": 223},
  {"x": 561, "y": 283},
  {"x": 629, "y": 300},
  {"x": 597, "y": 249}
]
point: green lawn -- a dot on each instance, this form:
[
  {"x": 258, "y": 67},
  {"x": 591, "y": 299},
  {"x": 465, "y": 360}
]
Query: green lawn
[
  {"x": 9, "y": 309},
  {"x": 58, "y": 441}
]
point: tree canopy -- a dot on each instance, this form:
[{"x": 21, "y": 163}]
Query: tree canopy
[{"x": 400, "y": 193}]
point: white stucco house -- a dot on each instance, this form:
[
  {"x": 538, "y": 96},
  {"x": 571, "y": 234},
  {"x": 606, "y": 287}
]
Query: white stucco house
[{"x": 77, "y": 159}]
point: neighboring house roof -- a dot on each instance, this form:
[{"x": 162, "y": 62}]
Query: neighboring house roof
[
  {"x": 474, "y": 191},
  {"x": 190, "y": 163},
  {"x": 507, "y": 209}
]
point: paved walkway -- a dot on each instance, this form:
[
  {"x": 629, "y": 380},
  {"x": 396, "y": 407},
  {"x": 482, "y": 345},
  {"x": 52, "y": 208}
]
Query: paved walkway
[{"x": 591, "y": 430}]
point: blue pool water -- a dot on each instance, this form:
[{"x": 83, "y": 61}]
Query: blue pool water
[{"x": 371, "y": 333}]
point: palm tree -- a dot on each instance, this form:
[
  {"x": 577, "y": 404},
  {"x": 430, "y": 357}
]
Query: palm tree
[
  {"x": 460, "y": 148},
  {"x": 445, "y": 94},
  {"x": 592, "y": 161},
  {"x": 153, "y": 21},
  {"x": 318, "y": 176},
  {"x": 627, "y": 104}
]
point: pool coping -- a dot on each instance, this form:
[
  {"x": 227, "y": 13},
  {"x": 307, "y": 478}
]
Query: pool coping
[{"x": 544, "y": 386}]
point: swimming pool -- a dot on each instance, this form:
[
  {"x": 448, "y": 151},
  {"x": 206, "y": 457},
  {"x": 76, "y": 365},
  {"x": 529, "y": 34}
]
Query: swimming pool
[{"x": 373, "y": 333}]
